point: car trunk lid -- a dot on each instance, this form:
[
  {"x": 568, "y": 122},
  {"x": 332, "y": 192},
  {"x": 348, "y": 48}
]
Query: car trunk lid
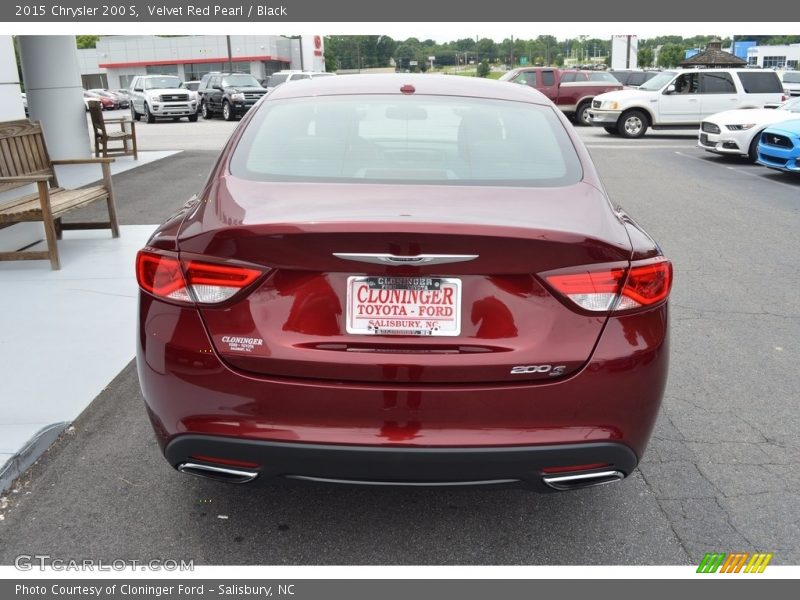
[{"x": 318, "y": 242}]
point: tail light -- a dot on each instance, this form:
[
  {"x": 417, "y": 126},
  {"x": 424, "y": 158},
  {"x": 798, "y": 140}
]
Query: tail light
[
  {"x": 165, "y": 276},
  {"x": 607, "y": 289}
]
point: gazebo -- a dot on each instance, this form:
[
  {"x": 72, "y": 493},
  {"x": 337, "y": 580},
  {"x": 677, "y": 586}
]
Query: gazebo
[{"x": 714, "y": 57}]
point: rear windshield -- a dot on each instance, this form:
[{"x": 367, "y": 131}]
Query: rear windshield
[
  {"x": 764, "y": 82},
  {"x": 419, "y": 139},
  {"x": 791, "y": 78}
]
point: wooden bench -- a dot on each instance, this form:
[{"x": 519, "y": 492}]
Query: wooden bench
[
  {"x": 23, "y": 161},
  {"x": 103, "y": 137}
]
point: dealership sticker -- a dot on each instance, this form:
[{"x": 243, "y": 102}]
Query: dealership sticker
[{"x": 241, "y": 344}]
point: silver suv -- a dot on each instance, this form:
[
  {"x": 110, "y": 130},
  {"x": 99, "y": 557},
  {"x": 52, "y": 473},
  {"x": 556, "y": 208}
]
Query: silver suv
[{"x": 161, "y": 97}]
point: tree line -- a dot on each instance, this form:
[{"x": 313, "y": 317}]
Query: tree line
[{"x": 348, "y": 52}]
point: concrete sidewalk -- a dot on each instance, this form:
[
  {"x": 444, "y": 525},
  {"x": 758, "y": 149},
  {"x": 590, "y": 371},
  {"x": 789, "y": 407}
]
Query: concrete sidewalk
[{"x": 66, "y": 334}]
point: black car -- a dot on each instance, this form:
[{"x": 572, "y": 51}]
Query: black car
[{"x": 228, "y": 94}]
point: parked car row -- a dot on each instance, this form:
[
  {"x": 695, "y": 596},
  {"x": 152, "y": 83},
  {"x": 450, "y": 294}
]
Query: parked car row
[
  {"x": 115, "y": 100},
  {"x": 229, "y": 95},
  {"x": 740, "y": 112},
  {"x": 682, "y": 99},
  {"x": 768, "y": 136},
  {"x": 737, "y": 132}
]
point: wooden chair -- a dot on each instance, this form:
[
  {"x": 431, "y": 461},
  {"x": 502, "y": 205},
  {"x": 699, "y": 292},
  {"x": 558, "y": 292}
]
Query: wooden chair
[
  {"x": 102, "y": 137},
  {"x": 23, "y": 161}
]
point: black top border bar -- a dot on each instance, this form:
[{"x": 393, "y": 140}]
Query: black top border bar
[{"x": 364, "y": 11}]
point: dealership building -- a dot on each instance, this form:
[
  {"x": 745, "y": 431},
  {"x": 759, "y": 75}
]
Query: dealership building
[
  {"x": 117, "y": 59},
  {"x": 774, "y": 57}
]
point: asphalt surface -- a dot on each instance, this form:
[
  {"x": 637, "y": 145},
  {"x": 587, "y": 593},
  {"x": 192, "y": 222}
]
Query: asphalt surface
[{"x": 721, "y": 472}]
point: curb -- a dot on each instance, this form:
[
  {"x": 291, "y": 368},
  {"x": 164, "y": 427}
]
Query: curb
[{"x": 30, "y": 453}]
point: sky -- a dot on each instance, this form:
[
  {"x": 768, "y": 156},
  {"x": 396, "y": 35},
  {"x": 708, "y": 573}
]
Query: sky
[{"x": 440, "y": 32}]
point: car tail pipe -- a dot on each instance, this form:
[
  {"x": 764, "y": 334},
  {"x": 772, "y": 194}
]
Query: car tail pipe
[
  {"x": 582, "y": 480},
  {"x": 225, "y": 474}
]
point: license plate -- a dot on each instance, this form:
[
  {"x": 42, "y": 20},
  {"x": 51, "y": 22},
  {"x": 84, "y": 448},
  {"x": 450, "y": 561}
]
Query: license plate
[{"x": 424, "y": 306}]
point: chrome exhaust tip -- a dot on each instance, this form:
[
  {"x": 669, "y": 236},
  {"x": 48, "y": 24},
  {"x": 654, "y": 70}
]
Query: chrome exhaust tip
[
  {"x": 225, "y": 474},
  {"x": 573, "y": 482}
]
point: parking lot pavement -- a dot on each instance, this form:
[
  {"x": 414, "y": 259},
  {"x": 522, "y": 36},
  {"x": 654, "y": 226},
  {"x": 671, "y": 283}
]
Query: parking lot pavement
[
  {"x": 723, "y": 461},
  {"x": 167, "y": 134},
  {"x": 720, "y": 473}
]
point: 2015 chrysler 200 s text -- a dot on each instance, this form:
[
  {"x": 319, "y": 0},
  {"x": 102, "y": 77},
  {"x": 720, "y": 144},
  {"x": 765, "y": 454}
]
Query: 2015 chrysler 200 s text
[{"x": 409, "y": 280}]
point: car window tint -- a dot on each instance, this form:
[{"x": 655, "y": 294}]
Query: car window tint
[
  {"x": 791, "y": 78},
  {"x": 278, "y": 78},
  {"x": 301, "y": 76},
  {"x": 548, "y": 78},
  {"x": 526, "y": 77},
  {"x": 240, "y": 79},
  {"x": 153, "y": 83},
  {"x": 567, "y": 78},
  {"x": 764, "y": 82},
  {"x": 621, "y": 76},
  {"x": 717, "y": 83},
  {"x": 432, "y": 140},
  {"x": 636, "y": 79}
]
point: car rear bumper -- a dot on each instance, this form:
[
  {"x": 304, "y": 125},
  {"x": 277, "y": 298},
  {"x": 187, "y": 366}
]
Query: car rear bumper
[
  {"x": 190, "y": 391},
  {"x": 531, "y": 467}
]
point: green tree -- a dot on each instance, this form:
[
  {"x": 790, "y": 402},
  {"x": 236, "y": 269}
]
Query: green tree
[
  {"x": 87, "y": 41},
  {"x": 405, "y": 53},
  {"x": 645, "y": 57},
  {"x": 483, "y": 68},
  {"x": 464, "y": 45},
  {"x": 671, "y": 55},
  {"x": 486, "y": 49}
]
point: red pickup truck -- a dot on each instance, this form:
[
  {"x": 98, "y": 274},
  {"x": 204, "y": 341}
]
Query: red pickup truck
[{"x": 571, "y": 90}]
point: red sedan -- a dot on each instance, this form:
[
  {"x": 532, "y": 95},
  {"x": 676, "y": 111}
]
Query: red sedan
[
  {"x": 405, "y": 280},
  {"x": 106, "y": 102}
]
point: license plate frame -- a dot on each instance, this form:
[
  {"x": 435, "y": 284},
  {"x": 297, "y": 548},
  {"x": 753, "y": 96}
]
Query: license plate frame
[{"x": 418, "y": 306}]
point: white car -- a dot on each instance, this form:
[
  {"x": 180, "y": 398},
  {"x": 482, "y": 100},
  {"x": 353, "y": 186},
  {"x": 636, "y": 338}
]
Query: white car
[
  {"x": 791, "y": 83},
  {"x": 736, "y": 132},
  {"x": 280, "y": 77}
]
